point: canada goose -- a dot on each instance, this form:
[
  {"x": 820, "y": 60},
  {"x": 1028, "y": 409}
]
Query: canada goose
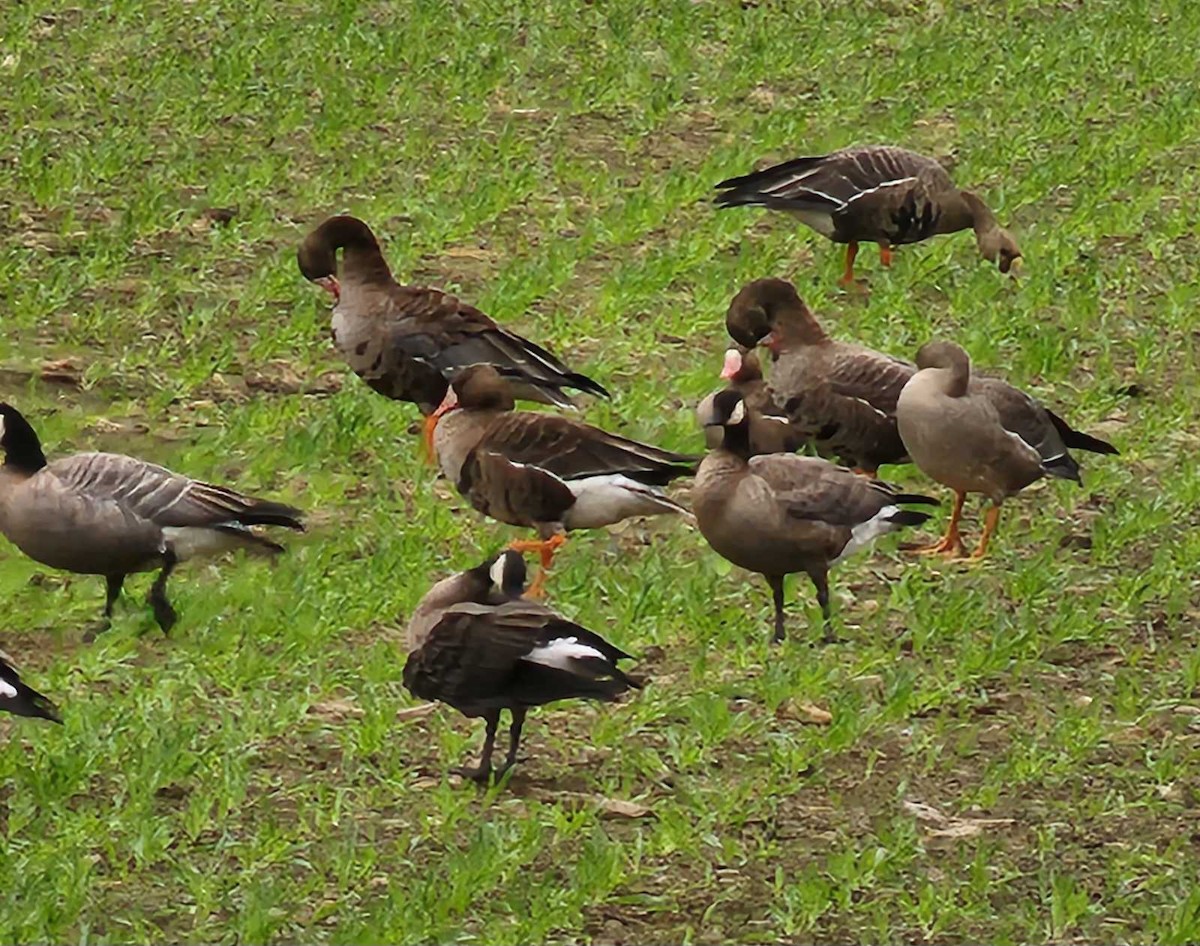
[
  {"x": 22, "y": 700},
  {"x": 780, "y": 514},
  {"x": 543, "y": 471},
  {"x": 475, "y": 644},
  {"x": 770, "y": 430},
  {"x": 405, "y": 341},
  {"x": 873, "y": 194},
  {"x": 844, "y": 395},
  {"x": 956, "y": 435},
  {"x": 109, "y": 514}
]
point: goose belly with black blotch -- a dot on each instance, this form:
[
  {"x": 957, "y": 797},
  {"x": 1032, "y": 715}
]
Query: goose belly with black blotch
[{"x": 610, "y": 498}]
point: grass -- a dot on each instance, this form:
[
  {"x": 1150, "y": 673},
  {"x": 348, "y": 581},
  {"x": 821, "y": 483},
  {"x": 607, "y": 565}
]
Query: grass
[{"x": 248, "y": 779}]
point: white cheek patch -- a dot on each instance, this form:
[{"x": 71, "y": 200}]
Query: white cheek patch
[
  {"x": 738, "y": 414},
  {"x": 1, "y": 428},
  {"x": 496, "y": 572}
]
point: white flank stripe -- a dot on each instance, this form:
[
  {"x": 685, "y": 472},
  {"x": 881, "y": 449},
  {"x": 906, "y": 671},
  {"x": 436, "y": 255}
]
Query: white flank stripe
[
  {"x": 603, "y": 500},
  {"x": 879, "y": 187},
  {"x": 559, "y": 653},
  {"x": 870, "y": 405},
  {"x": 7, "y": 690}
]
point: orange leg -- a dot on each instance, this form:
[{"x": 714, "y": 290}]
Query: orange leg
[
  {"x": 863, "y": 471},
  {"x": 545, "y": 550},
  {"x": 951, "y": 543},
  {"x": 848, "y": 276},
  {"x": 885, "y": 254},
  {"x": 989, "y": 526}
]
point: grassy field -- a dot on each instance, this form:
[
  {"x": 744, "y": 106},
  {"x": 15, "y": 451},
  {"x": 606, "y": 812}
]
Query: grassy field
[{"x": 1010, "y": 752}]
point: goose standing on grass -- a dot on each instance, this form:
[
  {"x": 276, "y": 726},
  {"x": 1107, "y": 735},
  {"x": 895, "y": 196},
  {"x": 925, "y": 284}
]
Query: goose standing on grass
[
  {"x": 956, "y": 435},
  {"x": 112, "y": 515},
  {"x": 22, "y": 700},
  {"x": 475, "y": 644},
  {"x": 546, "y": 472},
  {"x": 844, "y": 395},
  {"x": 781, "y": 514},
  {"x": 873, "y": 194},
  {"x": 405, "y": 341}
]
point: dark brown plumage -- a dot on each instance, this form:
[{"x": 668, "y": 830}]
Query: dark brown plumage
[
  {"x": 406, "y": 341},
  {"x": 547, "y": 472},
  {"x": 877, "y": 194},
  {"x": 781, "y": 514},
  {"x": 475, "y": 644},
  {"x": 111, "y": 515}
]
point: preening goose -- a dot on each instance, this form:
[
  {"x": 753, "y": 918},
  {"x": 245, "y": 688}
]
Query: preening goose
[
  {"x": 475, "y": 644},
  {"x": 405, "y": 341},
  {"x": 873, "y": 194},
  {"x": 543, "y": 471},
  {"x": 111, "y": 515},
  {"x": 22, "y": 700},
  {"x": 781, "y": 514},
  {"x": 984, "y": 437},
  {"x": 844, "y": 396}
]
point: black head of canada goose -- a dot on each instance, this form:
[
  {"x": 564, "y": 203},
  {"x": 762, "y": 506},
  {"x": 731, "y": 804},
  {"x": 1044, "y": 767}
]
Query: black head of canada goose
[
  {"x": 475, "y": 644},
  {"x": 111, "y": 515},
  {"x": 22, "y": 700},
  {"x": 544, "y": 471},
  {"x": 780, "y": 514},
  {"x": 406, "y": 341},
  {"x": 873, "y": 194}
]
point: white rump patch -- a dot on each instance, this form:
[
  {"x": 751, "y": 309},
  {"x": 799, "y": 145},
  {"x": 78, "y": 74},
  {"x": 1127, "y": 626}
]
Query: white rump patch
[
  {"x": 818, "y": 220},
  {"x": 867, "y": 532},
  {"x": 7, "y": 690},
  {"x": 559, "y": 653},
  {"x": 878, "y": 187},
  {"x": 195, "y": 541},
  {"x": 605, "y": 500}
]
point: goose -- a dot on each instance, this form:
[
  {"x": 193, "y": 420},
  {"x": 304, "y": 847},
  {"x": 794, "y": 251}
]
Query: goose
[
  {"x": 957, "y": 435},
  {"x": 405, "y": 341},
  {"x": 112, "y": 515},
  {"x": 843, "y": 395},
  {"x": 781, "y": 514},
  {"x": 475, "y": 644},
  {"x": 22, "y": 700},
  {"x": 543, "y": 471},
  {"x": 770, "y": 430},
  {"x": 873, "y": 194}
]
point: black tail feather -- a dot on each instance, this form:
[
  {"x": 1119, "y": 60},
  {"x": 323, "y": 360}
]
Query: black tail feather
[
  {"x": 916, "y": 498},
  {"x": 1078, "y": 440},
  {"x": 908, "y": 517},
  {"x": 263, "y": 512}
]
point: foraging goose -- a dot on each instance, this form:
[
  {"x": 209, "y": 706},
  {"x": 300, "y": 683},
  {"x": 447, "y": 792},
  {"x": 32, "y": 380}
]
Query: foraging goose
[
  {"x": 22, "y": 700},
  {"x": 770, "y": 431},
  {"x": 405, "y": 341},
  {"x": 543, "y": 471},
  {"x": 873, "y": 194},
  {"x": 111, "y": 515},
  {"x": 844, "y": 395},
  {"x": 477, "y": 645},
  {"x": 781, "y": 514},
  {"x": 985, "y": 438}
]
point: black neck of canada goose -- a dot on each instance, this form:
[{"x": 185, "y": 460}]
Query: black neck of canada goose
[
  {"x": 362, "y": 260},
  {"x": 22, "y": 449},
  {"x": 951, "y": 364}
]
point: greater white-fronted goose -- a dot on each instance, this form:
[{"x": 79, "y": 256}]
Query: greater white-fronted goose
[
  {"x": 840, "y": 395},
  {"x": 475, "y": 644},
  {"x": 781, "y": 514},
  {"x": 844, "y": 395},
  {"x": 873, "y": 194},
  {"x": 546, "y": 472},
  {"x": 405, "y": 341},
  {"x": 958, "y": 434},
  {"x": 111, "y": 515},
  {"x": 22, "y": 700}
]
